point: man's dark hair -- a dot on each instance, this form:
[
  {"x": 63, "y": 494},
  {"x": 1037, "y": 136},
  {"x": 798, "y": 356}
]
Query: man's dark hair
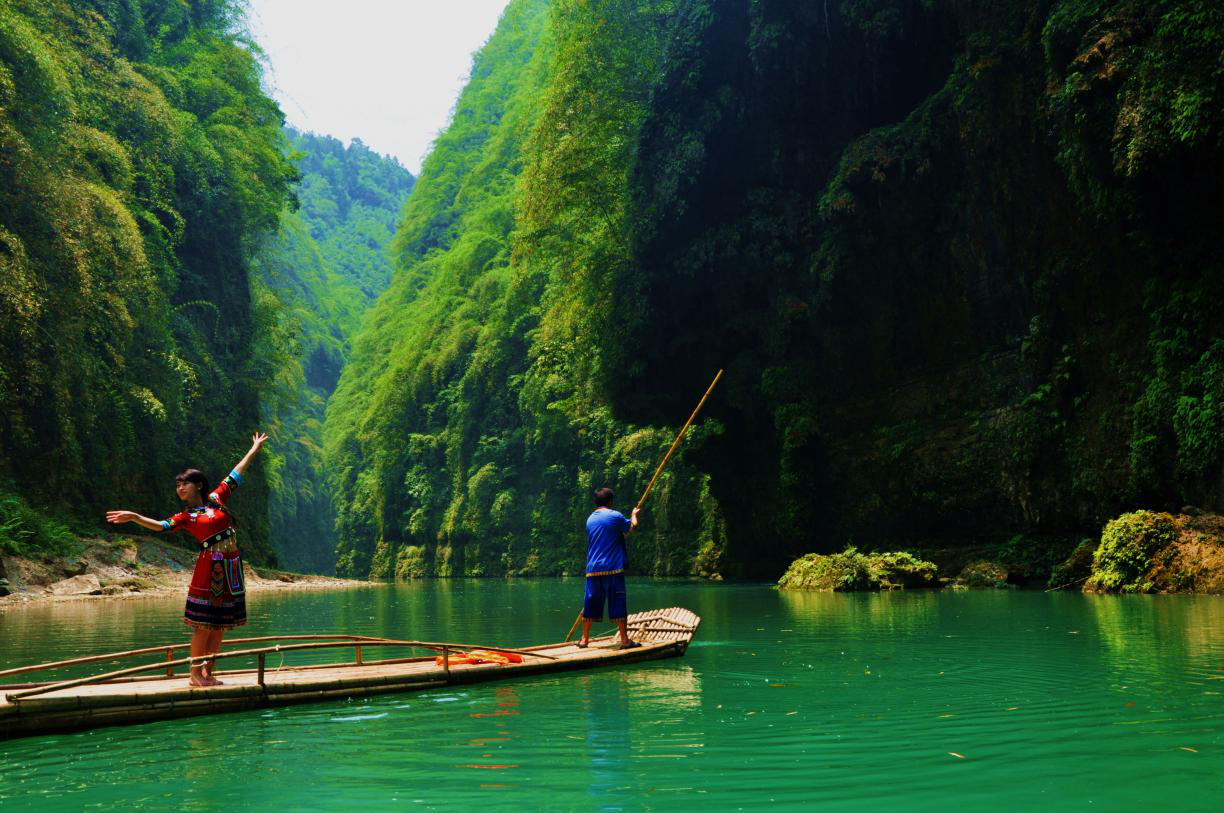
[{"x": 603, "y": 497}]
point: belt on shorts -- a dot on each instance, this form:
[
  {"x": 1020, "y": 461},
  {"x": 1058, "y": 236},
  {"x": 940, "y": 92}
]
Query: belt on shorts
[
  {"x": 605, "y": 573},
  {"x": 217, "y": 538}
]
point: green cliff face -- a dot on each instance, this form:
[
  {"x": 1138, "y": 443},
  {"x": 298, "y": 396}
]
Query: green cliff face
[
  {"x": 466, "y": 434},
  {"x": 960, "y": 261},
  {"x": 140, "y": 163},
  {"x": 956, "y": 258}
]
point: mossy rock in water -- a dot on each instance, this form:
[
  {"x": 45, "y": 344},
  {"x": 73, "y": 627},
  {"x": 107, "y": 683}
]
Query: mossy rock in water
[
  {"x": 851, "y": 570},
  {"x": 1127, "y": 547}
]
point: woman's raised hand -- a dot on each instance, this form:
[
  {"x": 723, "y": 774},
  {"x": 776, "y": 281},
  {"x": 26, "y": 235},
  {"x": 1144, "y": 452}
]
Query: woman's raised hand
[
  {"x": 116, "y": 517},
  {"x": 257, "y": 441}
]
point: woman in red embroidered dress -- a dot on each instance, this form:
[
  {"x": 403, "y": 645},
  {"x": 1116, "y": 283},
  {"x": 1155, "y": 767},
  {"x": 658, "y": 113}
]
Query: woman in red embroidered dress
[{"x": 216, "y": 599}]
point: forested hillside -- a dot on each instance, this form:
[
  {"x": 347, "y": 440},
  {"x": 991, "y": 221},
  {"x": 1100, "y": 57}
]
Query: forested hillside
[
  {"x": 960, "y": 262},
  {"x": 140, "y": 166},
  {"x": 462, "y": 441},
  {"x": 325, "y": 265},
  {"x": 351, "y": 197}
]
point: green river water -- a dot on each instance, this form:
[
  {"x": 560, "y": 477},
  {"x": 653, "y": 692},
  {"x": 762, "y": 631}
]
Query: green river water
[{"x": 785, "y": 701}]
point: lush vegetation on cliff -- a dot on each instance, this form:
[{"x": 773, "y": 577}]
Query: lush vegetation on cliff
[
  {"x": 168, "y": 285},
  {"x": 467, "y": 434},
  {"x": 351, "y": 198},
  {"x": 140, "y": 166},
  {"x": 959, "y": 264},
  {"x": 986, "y": 247}
]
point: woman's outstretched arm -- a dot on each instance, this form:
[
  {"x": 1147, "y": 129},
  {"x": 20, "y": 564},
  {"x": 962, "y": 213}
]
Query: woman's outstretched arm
[
  {"x": 117, "y": 517},
  {"x": 257, "y": 441}
]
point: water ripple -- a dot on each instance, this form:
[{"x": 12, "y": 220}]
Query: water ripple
[{"x": 1013, "y": 700}]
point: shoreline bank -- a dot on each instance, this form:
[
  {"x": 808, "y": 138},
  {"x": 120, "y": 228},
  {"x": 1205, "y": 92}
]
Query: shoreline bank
[{"x": 127, "y": 567}]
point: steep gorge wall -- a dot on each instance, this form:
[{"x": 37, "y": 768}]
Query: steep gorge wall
[
  {"x": 957, "y": 258},
  {"x": 466, "y": 434},
  {"x": 325, "y": 265},
  {"x": 140, "y": 164}
]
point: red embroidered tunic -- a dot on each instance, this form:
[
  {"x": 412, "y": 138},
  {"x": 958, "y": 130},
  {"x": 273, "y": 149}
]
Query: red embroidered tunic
[
  {"x": 216, "y": 598},
  {"x": 205, "y": 521}
]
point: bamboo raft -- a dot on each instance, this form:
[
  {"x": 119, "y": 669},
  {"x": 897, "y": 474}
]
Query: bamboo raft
[{"x": 131, "y": 696}]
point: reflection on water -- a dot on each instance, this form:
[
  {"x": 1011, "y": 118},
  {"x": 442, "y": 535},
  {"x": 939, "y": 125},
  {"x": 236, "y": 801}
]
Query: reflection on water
[
  {"x": 676, "y": 689},
  {"x": 1190, "y": 630},
  {"x": 607, "y": 744},
  {"x": 987, "y": 700}
]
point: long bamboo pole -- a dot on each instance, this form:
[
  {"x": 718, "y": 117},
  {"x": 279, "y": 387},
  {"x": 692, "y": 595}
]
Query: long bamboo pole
[
  {"x": 676, "y": 442},
  {"x": 572, "y": 628},
  {"x": 659, "y": 470}
]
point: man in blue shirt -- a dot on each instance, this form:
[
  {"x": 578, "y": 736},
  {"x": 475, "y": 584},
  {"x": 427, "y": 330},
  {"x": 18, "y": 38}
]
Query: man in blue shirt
[{"x": 605, "y": 567}]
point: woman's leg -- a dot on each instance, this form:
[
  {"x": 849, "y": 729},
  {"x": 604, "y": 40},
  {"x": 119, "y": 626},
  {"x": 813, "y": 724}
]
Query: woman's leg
[
  {"x": 213, "y": 647},
  {"x": 199, "y": 647}
]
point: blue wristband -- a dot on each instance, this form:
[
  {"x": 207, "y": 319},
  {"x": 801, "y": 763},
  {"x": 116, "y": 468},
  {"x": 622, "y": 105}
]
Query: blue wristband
[
  {"x": 165, "y": 525},
  {"x": 237, "y": 478}
]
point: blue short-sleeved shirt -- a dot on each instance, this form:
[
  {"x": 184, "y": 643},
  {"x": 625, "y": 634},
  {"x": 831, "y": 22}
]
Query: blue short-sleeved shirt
[{"x": 606, "y": 531}]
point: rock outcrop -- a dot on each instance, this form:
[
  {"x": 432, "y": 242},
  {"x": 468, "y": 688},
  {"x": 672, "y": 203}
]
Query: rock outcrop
[{"x": 83, "y": 585}]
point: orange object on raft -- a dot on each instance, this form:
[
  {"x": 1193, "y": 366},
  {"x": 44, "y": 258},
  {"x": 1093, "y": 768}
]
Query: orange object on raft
[
  {"x": 134, "y": 694},
  {"x": 481, "y": 656}
]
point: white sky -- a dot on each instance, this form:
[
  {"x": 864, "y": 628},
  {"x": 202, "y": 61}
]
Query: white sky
[{"x": 385, "y": 71}]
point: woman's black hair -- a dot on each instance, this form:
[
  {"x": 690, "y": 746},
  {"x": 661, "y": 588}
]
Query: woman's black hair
[{"x": 197, "y": 478}]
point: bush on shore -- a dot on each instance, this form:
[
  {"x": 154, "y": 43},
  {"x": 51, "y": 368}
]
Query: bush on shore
[{"x": 26, "y": 532}]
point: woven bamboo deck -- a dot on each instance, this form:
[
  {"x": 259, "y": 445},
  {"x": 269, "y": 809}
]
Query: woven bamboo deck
[{"x": 132, "y": 696}]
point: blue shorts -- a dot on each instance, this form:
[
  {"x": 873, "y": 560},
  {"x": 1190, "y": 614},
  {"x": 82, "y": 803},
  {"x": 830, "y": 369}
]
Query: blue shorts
[{"x": 600, "y": 587}]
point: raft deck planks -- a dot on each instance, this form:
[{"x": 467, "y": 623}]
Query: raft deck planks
[{"x": 661, "y": 633}]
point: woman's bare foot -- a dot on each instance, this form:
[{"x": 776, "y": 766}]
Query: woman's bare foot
[
  {"x": 204, "y": 683},
  {"x": 201, "y": 680}
]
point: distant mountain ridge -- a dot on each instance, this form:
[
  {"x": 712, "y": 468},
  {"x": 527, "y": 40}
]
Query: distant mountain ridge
[{"x": 325, "y": 266}]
